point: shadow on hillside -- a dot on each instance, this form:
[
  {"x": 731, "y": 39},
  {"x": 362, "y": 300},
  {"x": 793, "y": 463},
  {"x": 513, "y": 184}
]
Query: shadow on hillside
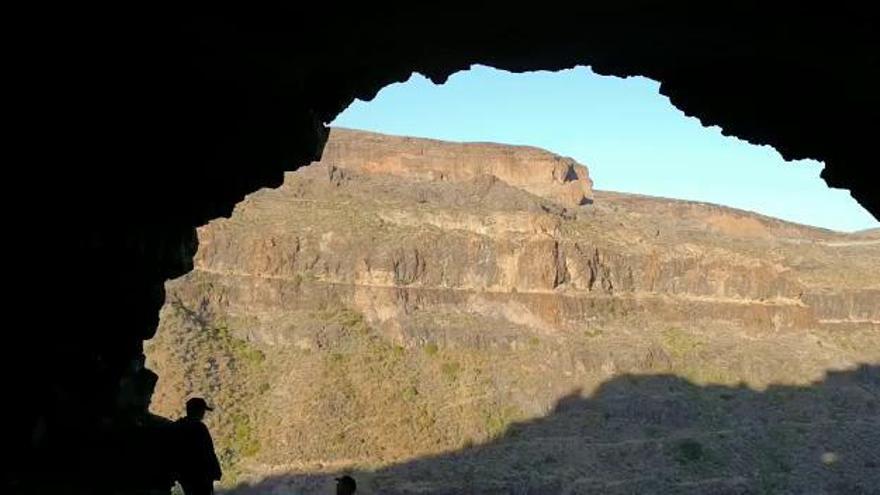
[{"x": 658, "y": 434}]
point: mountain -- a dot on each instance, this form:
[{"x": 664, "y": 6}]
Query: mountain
[{"x": 404, "y": 298}]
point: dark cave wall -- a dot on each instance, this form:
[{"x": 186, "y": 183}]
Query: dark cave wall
[{"x": 154, "y": 122}]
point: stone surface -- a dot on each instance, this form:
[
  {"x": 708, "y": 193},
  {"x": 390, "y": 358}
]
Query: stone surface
[{"x": 531, "y": 169}]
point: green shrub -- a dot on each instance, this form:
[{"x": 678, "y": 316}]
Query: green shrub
[
  {"x": 679, "y": 343},
  {"x": 688, "y": 451},
  {"x": 592, "y": 333},
  {"x": 450, "y": 370},
  {"x": 410, "y": 393}
]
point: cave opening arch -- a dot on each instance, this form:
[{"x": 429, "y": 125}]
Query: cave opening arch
[{"x": 192, "y": 111}]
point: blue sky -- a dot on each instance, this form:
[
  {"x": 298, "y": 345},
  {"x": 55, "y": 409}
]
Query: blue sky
[{"x": 631, "y": 138}]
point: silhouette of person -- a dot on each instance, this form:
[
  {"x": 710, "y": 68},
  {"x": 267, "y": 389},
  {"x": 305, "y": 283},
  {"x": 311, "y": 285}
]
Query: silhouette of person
[
  {"x": 197, "y": 465},
  {"x": 345, "y": 485}
]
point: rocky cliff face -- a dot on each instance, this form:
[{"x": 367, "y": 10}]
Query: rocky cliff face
[
  {"x": 404, "y": 297},
  {"x": 530, "y": 169}
]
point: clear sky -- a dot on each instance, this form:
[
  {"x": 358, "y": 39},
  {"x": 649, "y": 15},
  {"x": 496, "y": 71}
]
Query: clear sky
[{"x": 631, "y": 138}]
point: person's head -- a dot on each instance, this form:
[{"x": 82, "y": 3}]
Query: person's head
[
  {"x": 345, "y": 485},
  {"x": 196, "y": 407}
]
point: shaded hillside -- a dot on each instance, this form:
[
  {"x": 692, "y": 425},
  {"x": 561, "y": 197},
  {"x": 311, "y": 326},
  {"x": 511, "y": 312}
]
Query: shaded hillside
[{"x": 655, "y": 434}]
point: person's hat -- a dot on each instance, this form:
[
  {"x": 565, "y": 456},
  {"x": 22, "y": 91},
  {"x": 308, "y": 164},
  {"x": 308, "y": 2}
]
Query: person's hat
[
  {"x": 347, "y": 481},
  {"x": 198, "y": 404}
]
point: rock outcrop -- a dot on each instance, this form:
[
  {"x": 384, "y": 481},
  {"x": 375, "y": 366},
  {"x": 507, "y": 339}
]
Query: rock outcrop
[{"x": 531, "y": 169}]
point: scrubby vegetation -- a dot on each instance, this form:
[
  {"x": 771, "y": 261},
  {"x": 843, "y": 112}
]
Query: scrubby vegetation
[{"x": 206, "y": 358}]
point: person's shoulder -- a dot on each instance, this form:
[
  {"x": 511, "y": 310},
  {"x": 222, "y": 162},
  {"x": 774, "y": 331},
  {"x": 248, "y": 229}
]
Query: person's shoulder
[
  {"x": 187, "y": 424},
  {"x": 193, "y": 425}
]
